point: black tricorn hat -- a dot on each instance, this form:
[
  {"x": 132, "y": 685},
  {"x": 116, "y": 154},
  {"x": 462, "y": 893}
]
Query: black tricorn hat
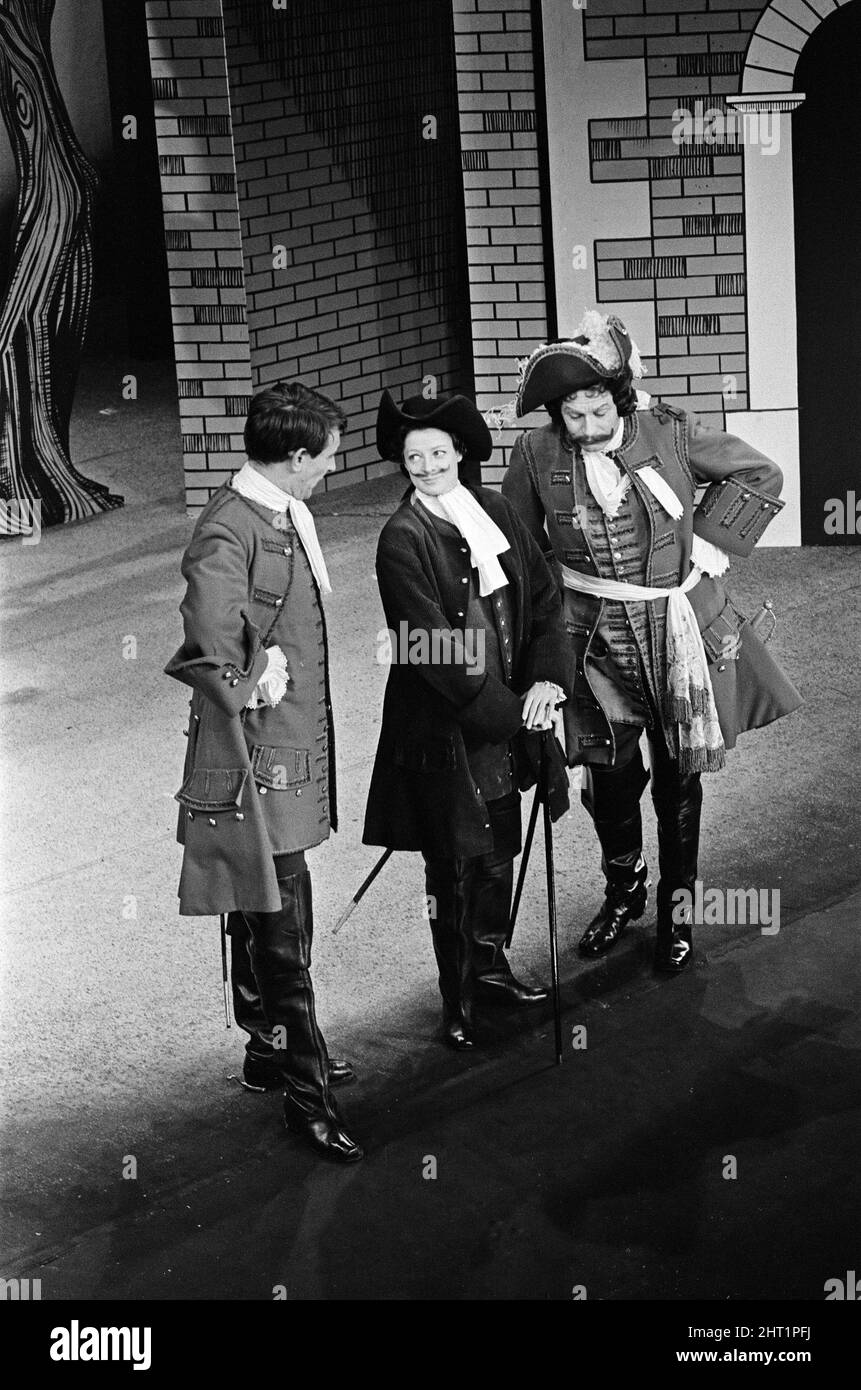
[
  {"x": 600, "y": 351},
  {"x": 456, "y": 415}
]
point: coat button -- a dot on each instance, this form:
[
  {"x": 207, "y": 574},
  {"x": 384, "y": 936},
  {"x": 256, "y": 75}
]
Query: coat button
[
  {"x": 460, "y": 613},
  {"x": 262, "y": 791},
  {"x": 463, "y": 550},
  {"x": 288, "y": 550},
  {"x": 185, "y": 733},
  {"x": 240, "y": 815},
  {"x": 722, "y": 668},
  {"x": 299, "y": 792},
  {"x": 191, "y": 815},
  {"x": 212, "y": 820},
  {"x": 278, "y": 602},
  {"x": 464, "y": 580},
  {"x": 235, "y": 681}
]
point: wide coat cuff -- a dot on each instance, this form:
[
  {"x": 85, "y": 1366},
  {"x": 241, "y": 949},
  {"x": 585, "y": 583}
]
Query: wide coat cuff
[
  {"x": 495, "y": 714},
  {"x": 550, "y": 659},
  {"x": 733, "y": 515},
  {"x": 226, "y": 684}
]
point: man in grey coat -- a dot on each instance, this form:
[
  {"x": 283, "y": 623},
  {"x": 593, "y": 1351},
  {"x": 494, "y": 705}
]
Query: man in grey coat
[{"x": 259, "y": 788}]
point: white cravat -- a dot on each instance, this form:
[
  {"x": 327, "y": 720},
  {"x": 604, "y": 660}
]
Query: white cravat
[
  {"x": 251, "y": 483},
  {"x": 481, "y": 533},
  {"x": 609, "y": 484}
]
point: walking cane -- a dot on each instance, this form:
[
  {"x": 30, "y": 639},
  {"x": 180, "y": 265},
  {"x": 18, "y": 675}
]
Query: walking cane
[
  {"x": 524, "y": 860},
  {"x": 223, "y": 920},
  {"x": 361, "y": 891},
  {"x": 551, "y": 905}
]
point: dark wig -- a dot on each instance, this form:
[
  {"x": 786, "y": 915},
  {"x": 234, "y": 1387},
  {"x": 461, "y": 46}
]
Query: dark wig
[{"x": 621, "y": 388}]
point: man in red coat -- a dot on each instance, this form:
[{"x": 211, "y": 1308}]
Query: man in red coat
[
  {"x": 608, "y": 488},
  {"x": 259, "y": 789}
]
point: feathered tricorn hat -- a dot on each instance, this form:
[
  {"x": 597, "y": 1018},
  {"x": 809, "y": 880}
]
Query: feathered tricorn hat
[{"x": 600, "y": 350}]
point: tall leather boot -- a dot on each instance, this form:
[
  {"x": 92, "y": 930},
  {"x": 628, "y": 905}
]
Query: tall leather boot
[
  {"x": 447, "y": 887},
  {"x": 261, "y": 1070},
  {"x": 678, "y": 802},
  {"x": 488, "y": 914},
  {"x": 280, "y": 954},
  {"x": 612, "y": 797}
]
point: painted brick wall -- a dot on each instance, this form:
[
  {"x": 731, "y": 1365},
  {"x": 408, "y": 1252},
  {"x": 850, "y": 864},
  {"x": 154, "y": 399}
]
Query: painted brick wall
[
  {"x": 344, "y": 314},
  {"x": 693, "y": 264},
  {"x": 498, "y": 121},
  {"x": 202, "y": 234}
]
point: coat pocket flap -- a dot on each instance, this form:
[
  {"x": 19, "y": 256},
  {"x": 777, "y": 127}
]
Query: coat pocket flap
[
  {"x": 213, "y": 789},
  {"x": 280, "y": 767},
  {"x": 430, "y": 755},
  {"x": 728, "y": 623}
]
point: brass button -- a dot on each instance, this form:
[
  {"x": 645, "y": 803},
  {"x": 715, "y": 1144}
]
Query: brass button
[
  {"x": 299, "y": 792},
  {"x": 278, "y": 602},
  {"x": 463, "y": 550},
  {"x": 464, "y": 580},
  {"x": 262, "y": 791},
  {"x": 722, "y": 668},
  {"x": 288, "y": 550},
  {"x": 240, "y": 815},
  {"x": 212, "y": 820},
  {"x": 235, "y": 681},
  {"x": 191, "y": 815},
  {"x": 460, "y": 613}
]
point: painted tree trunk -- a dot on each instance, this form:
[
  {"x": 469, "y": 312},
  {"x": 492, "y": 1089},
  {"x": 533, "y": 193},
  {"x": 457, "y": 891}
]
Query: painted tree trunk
[{"x": 43, "y": 318}]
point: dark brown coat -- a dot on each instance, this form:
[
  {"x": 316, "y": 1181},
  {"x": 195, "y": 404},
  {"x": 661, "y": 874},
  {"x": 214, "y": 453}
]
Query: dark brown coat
[{"x": 422, "y": 796}]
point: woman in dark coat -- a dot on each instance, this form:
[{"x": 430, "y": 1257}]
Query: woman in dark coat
[{"x": 478, "y": 655}]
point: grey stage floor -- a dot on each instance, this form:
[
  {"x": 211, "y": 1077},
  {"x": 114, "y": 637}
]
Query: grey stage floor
[{"x": 606, "y": 1173}]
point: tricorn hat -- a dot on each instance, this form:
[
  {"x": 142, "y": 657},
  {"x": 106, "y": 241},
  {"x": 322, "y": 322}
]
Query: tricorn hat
[
  {"x": 456, "y": 415},
  {"x": 599, "y": 351}
]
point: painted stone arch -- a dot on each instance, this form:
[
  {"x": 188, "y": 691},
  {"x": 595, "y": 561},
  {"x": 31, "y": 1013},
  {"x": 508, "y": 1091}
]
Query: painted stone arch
[
  {"x": 781, "y": 32},
  {"x": 767, "y": 93}
]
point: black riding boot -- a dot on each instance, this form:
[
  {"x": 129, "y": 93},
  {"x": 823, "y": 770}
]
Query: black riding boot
[
  {"x": 279, "y": 949},
  {"x": 489, "y": 914},
  {"x": 612, "y": 797},
  {"x": 678, "y": 801},
  {"x": 447, "y": 887},
  {"x": 261, "y": 1070}
]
